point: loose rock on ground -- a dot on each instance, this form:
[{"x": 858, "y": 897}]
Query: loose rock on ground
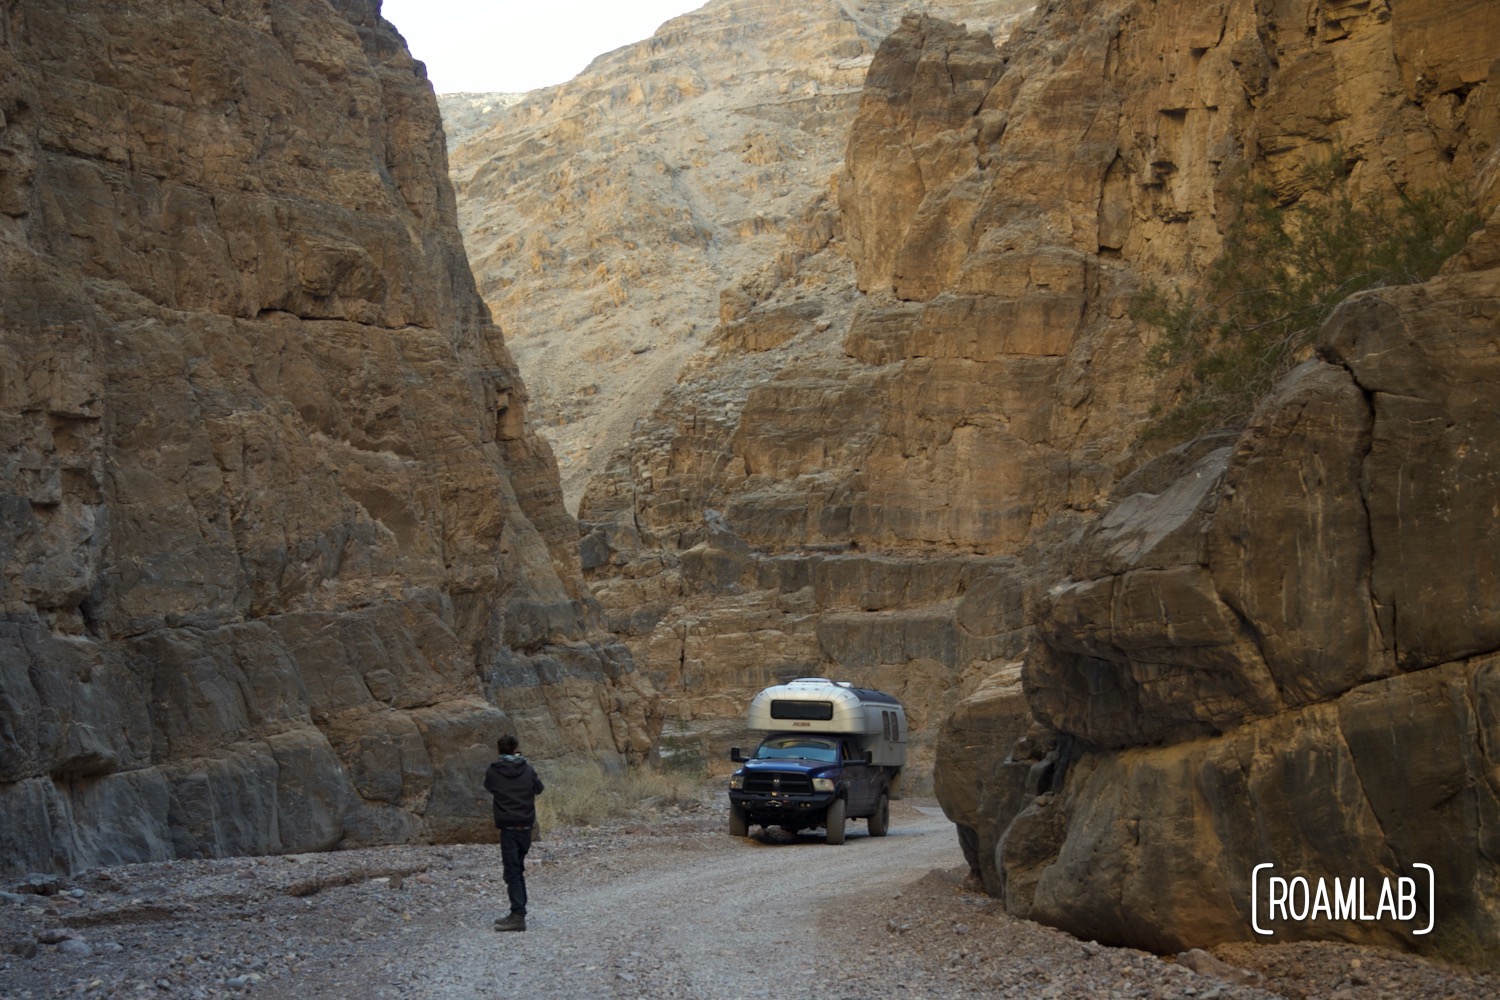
[{"x": 654, "y": 906}]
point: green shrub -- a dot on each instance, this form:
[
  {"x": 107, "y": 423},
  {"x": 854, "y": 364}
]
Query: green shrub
[{"x": 1284, "y": 268}]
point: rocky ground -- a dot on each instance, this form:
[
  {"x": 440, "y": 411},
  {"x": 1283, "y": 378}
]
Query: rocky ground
[{"x": 663, "y": 905}]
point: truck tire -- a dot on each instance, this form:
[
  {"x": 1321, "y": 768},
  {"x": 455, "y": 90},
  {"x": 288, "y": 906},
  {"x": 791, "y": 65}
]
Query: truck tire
[
  {"x": 834, "y": 824},
  {"x": 739, "y": 824},
  {"x": 880, "y": 819}
]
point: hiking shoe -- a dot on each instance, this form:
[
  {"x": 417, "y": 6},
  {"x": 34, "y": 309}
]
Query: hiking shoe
[{"x": 514, "y": 922}]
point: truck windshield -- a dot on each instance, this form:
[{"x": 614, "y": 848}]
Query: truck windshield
[{"x": 797, "y": 747}]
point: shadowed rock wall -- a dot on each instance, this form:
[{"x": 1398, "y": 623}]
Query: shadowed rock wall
[{"x": 279, "y": 554}]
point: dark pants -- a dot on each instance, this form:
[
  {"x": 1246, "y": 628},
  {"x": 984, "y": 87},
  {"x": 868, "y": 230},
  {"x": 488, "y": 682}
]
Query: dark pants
[{"x": 513, "y": 847}]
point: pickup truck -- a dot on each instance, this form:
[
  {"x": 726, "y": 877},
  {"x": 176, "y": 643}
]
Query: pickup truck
[{"x": 799, "y": 781}]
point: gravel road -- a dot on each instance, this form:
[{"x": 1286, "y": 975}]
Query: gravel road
[
  {"x": 666, "y": 905},
  {"x": 739, "y": 919}
]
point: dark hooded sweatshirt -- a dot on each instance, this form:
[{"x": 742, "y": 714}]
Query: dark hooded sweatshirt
[{"x": 514, "y": 785}]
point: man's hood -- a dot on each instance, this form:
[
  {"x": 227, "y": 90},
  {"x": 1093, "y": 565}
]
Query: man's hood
[{"x": 510, "y": 764}]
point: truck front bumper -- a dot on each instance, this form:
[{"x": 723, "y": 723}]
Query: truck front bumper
[{"x": 765, "y": 808}]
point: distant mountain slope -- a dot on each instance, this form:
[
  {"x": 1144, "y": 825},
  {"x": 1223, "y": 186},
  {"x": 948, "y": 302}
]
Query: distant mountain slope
[
  {"x": 604, "y": 216},
  {"x": 466, "y": 114}
]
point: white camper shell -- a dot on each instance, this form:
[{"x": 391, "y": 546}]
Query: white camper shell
[{"x": 874, "y": 719}]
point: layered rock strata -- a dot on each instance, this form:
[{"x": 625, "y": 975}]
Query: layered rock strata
[
  {"x": 1275, "y": 651},
  {"x": 1295, "y": 666},
  {"x": 1240, "y": 651},
  {"x": 605, "y": 216},
  {"x": 279, "y": 553},
  {"x": 842, "y": 486}
]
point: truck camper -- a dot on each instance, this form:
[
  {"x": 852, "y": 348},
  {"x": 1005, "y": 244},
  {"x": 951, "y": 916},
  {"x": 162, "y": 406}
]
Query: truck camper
[{"x": 832, "y": 752}]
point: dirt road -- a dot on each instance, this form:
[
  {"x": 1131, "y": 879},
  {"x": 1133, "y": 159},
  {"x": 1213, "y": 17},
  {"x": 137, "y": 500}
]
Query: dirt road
[
  {"x": 665, "y": 906},
  {"x": 737, "y": 918}
]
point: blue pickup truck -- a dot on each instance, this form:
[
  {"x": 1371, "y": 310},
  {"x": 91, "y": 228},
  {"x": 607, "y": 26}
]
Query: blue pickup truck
[{"x": 834, "y": 753}]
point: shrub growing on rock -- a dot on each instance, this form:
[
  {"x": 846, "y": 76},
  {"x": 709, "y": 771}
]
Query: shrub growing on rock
[{"x": 1286, "y": 264}]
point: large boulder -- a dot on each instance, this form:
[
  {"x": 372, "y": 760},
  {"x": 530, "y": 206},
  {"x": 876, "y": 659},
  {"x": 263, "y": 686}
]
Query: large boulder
[
  {"x": 980, "y": 778},
  {"x": 1343, "y": 538}
]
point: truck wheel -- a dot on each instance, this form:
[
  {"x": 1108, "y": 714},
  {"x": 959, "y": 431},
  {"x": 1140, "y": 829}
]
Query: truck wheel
[
  {"x": 880, "y": 819},
  {"x": 739, "y": 824},
  {"x": 834, "y": 824}
]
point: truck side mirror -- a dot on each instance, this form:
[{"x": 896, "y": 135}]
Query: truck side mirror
[
  {"x": 736, "y": 756},
  {"x": 869, "y": 756}
]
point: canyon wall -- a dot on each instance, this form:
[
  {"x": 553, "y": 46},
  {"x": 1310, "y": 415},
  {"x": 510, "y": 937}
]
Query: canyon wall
[
  {"x": 280, "y": 555},
  {"x": 843, "y": 483},
  {"x": 1273, "y": 647},
  {"x": 848, "y": 483},
  {"x": 605, "y": 216},
  {"x": 1286, "y": 657},
  {"x": 913, "y": 457}
]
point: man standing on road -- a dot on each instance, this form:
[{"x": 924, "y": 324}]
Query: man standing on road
[{"x": 514, "y": 785}]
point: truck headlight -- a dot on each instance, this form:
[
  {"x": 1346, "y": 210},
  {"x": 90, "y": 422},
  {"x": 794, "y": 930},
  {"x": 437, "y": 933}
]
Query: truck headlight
[
  {"x": 823, "y": 784},
  {"x": 736, "y": 781}
]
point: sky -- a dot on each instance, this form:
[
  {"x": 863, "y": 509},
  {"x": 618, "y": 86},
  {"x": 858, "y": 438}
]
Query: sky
[{"x": 519, "y": 45}]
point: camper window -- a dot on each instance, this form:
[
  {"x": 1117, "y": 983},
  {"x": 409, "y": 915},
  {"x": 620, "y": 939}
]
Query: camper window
[{"x": 819, "y": 710}]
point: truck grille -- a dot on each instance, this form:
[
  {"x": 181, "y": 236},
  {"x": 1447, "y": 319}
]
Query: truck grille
[{"x": 778, "y": 781}]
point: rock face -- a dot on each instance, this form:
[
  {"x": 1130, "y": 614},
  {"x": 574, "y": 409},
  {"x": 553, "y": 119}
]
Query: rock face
[
  {"x": 1267, "y": 646},
  {"x": 606, "y": 216},
  {"x": 1293, "y": 669},
  {"x": 279, "y": 553},
  {"x": 467, "y": 114},
  {"x": 881, "y": 462},
  {"x": 1279, "y": 655}
]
